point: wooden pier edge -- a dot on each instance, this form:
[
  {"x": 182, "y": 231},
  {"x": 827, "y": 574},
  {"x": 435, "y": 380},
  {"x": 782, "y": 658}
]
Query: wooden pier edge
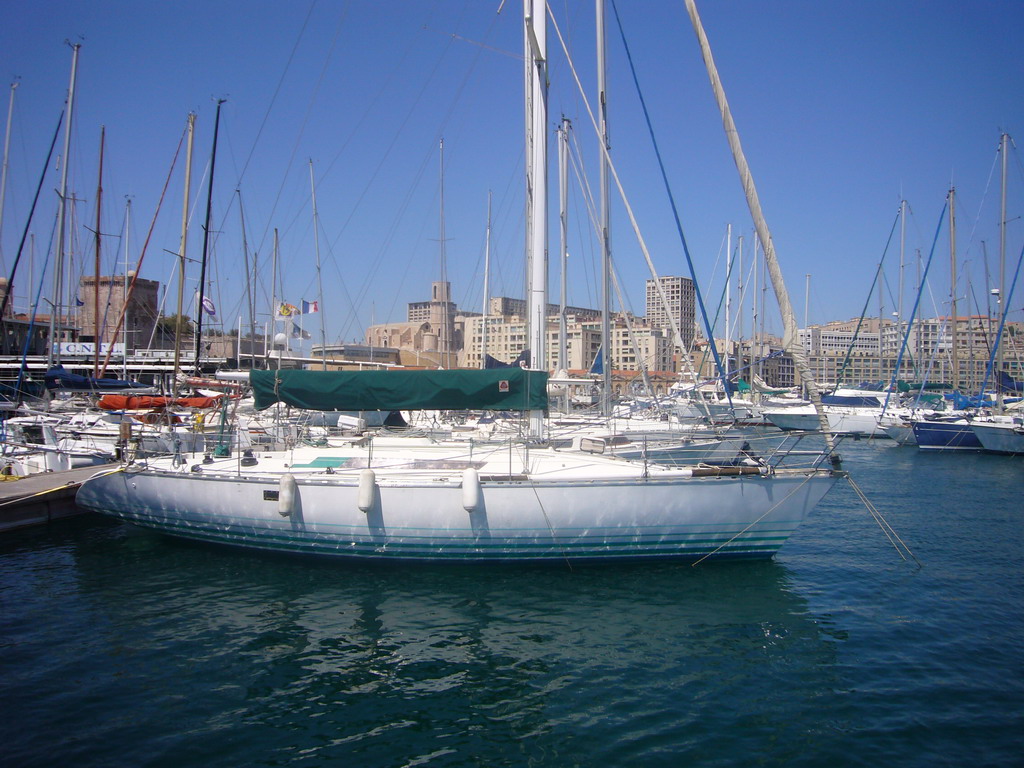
[{"x": 44, "y": 497}]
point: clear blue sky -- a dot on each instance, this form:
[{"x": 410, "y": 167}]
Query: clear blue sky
[{"x": 843, "y": 109}]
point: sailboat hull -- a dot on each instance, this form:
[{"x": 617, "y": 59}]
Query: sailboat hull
[
  {"x": 861, "y": 422},
  {"x": 511, "y": 519},
  {"x": 946, "y": 436},
  {"x": 1000, "y": 438}
]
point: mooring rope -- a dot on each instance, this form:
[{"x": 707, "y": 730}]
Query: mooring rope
[
  {"x": 551, "y": 528},
  {"x": 898, "y": 544},
  {"x": 724, "y": 544}
]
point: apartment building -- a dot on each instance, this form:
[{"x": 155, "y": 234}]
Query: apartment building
[
  {"x": 632, "y": 349},
  {"x": 681, "y": 299},
  {"x": 838, "y": 353}
]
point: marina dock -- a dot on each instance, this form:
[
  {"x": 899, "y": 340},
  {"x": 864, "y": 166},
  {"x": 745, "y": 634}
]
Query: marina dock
[{"x": 38, "y": 499}]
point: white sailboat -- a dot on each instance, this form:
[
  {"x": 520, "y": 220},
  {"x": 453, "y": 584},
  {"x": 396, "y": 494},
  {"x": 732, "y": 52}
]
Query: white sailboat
[
  {"x": 859, "y": 422},
  {"x": 854, "y": 412},
  {"x": 419, "y": 499},
  {"x": 412, "y": 499},
  {"x": 1001, "y": 434}
]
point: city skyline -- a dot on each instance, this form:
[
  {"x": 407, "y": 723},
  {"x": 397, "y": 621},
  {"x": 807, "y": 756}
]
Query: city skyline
[{"x": 841, "y": 117}]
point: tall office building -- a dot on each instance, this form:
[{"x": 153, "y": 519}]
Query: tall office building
[{"x": 682, "y": 303}]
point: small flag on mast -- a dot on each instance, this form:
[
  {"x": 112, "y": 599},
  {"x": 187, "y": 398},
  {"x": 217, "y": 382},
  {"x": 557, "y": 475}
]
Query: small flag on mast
[
  {"x": 285, "y": 310},
  {"x": 208, "y": 306},
  {"x": 309, "y": 307}
]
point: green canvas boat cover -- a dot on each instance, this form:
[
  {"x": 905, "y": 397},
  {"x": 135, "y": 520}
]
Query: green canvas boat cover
[
  {"x": 502, "y": 389},
  {"x": 928, "y": 386}
]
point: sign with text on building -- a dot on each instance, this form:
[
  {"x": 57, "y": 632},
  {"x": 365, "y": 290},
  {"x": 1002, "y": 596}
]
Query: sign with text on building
[{"x": 88, "y": 348}]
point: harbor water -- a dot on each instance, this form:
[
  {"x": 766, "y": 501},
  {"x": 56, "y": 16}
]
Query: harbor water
[{"x": 121, "y": 647}]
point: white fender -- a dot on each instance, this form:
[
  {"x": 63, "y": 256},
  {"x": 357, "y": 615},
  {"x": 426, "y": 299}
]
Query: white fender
[
  {"x": 367, "y": 489},
  {"x": 470, "y": 489},
  {"x": 287, "y": 495}
]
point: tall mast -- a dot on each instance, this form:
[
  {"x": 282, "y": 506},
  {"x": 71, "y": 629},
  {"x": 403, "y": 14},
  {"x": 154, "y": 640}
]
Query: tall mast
[
  {"x": 1004, "y": 140},
  {"x": 273, "y": 300},
  {"x": 728, "y": 300},
  {"x": 761, "y": 312},
  {"x": 178, "y": 325},
  {"x": 3, "y": 173},
  {"x": 881, "y": 320},
  {"x": 790, "y": 339},
  {"x": 206, "y": 240},
  {"x": 250, "y": 291},
  {"x": 31, "y": 270},
  {"x": 70, "y": 267},
  {"x": 807, "y": 301},
  {"x": 606, "y": 242},
  {"x": 903, "y": 245},
  {"x": 563, "y": 221},
  {"x": 124, "y": 292},
  {"x": 528, "y": 63},
  {"x": 96, "y": 283},
  {"x": 53, "y": 351},
  {"x": 443, "y": 340},
  {"x": 755, "y": 313},
  {"x": 319, "y": 279},
  {"x": 487, "y": 287},
  {"x": 807, "y": 297},
  {"x": 739, "y": 308},
  {"x": 952, "y": 287},
  {"x": 7, "y": 296},
  {"x": 252, "y": 309},
  {"x": 536, "y": 55}
]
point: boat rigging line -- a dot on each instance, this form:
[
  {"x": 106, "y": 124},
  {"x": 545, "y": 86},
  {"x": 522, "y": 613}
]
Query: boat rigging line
[
  {"x": 752, "y": 524},
  {"x": 142, "y": 255},
  {"x": 200, "y": 304},
  {"x": 863, "y": 313},
  {"x": 676, "y": 335},
  {"x": 675, "y": 214},
  {"x": 273, "y": 99},
  {"x": 917, "y": 301},
  {"x": 890, "y": 533},
  {"x": 28, "y": 222}
]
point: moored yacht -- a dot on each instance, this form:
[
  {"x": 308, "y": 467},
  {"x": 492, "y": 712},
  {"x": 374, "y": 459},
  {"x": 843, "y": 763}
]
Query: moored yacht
[{"x": 380, "y": 497}]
